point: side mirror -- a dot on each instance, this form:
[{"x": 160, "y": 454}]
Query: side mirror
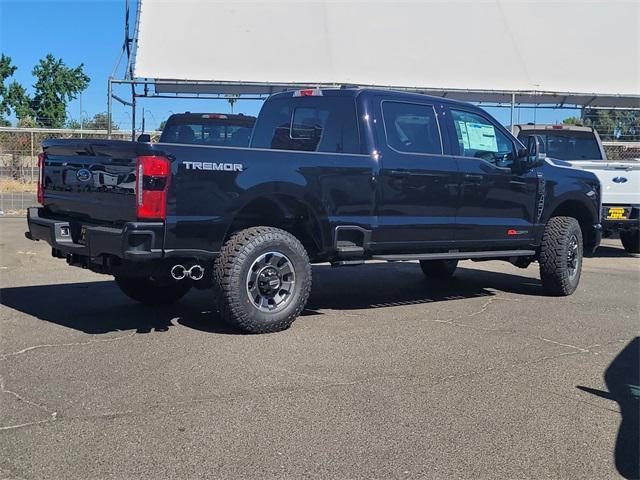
[
  {"x": 535, "y": 152},
  {"x": 144, "y": 138}
]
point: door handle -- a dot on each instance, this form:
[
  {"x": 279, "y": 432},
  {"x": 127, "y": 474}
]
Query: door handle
[
  {"x": 473, "y": 177},
  {"x": 400, "y": 173}
]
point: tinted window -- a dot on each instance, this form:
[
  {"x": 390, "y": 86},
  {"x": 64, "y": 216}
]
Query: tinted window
[
  {"x": 567, "y": 145},
  {"x": 411, "y": 128},
  {"x": 207, "y": 132},
  {"x": 312, "y": 124},
  {"x": 479, "y": 138}
]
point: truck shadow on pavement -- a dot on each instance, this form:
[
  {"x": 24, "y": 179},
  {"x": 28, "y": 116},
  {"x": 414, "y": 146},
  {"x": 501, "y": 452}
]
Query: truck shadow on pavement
[
  {"x": 99, "y": 307},
  {"x": 606, "y": 251},
  {"x": 622, "y": 378}
]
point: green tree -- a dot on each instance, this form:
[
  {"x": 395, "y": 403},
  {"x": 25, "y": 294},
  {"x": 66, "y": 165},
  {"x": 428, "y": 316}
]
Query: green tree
[
  {"x": 56, "y": 85},
  {"x": 73, "y": 124},
  {"x": 6, "y": 71},
  {"x": 620, "y": 125},
  {"x": 20, "y": 102},
  {"x": 100, "y": 121},
  {"x": 163, "y": 124},
  {"x": 27, "y": 122},
  {"x": 572, "y": 121}
]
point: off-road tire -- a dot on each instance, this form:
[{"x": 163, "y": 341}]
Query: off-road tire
[
  {"x": 557, "y": 275},
  {"x": 151, "y": 292},
  {"x": 439, "y": 269},
  {"x": 631, "y": 241},
  {"x": 230, "y": 277}
]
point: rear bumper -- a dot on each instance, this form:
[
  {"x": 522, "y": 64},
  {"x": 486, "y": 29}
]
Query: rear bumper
[{"x": 135, "y": 241}]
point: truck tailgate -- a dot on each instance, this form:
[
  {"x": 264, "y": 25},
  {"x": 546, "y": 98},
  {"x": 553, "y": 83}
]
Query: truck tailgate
[{"x": 91, "y": 179}]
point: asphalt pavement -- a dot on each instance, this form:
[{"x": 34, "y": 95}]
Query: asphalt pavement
[{"x": 386, "y": 375}]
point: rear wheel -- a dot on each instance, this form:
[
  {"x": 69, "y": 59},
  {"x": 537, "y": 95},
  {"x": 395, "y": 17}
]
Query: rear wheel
[
  {"x": 439, "y": 269},
  {"x": 153, "y": 292},
  {"x": 262, "y": 279},
  {"x": 631, "y": 240},
  {"x": 561, "y": 256}
]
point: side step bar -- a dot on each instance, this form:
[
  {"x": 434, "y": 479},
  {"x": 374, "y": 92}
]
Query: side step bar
[{"x": 455, "y": 255}]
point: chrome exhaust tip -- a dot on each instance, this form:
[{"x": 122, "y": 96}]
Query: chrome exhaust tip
[
  {"x": 178, "y": 272},
  {"x": 196, "y": 272}
]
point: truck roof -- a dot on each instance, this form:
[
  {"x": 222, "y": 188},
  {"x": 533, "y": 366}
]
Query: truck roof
[
  {"x": 231, "y": 117},
  {"x": 545, "y": 126},
  {"x": 357, "y": 91}
]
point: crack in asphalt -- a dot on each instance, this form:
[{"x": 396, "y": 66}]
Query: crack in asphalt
[
  {"x": 4, "y": 356},
  {"x": 440, "y": 381},
  {"x": 53, "y": 415}
]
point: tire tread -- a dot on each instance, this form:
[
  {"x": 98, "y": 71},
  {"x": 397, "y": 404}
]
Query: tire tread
[
  {"x": 552, "y": 259},
  {"x": 226, "y": 274}
]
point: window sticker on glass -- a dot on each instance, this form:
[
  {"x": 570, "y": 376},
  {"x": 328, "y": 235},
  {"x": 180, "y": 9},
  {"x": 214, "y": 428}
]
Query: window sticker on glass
[
  {"x": 462, "y": 126},
  {"x": 478, "y": 136}
]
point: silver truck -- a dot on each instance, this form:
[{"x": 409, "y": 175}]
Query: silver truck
[{"x": 581, "y": 147}]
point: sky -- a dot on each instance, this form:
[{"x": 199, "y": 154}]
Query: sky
[{"x": 91, "y": 32}]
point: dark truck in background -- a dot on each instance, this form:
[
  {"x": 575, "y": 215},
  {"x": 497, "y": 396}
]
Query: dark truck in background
[
  {"x": 336, "y": 175},
  {"x": 213, "y": 129}
]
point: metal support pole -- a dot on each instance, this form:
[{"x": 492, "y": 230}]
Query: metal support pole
[
  {"x": 33, "y": 154},
  {"x": 109, "y": 107},
  {"x": 513, "y": 106},
  {"x": 133, "y": 113},
  {"x": 81, "y": 122}
]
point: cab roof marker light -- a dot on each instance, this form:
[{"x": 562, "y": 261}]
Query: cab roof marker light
[
  {"x": 308, "y": 92},
  {"x": 215, "y": 116}
]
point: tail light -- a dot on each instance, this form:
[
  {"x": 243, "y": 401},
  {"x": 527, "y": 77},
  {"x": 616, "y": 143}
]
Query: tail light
[
  {"x": 153, "y": 175},
  {"x": 41, "y": 159}
]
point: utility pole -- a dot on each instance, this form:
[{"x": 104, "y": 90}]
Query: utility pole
[{"x": 81, "y": 115}]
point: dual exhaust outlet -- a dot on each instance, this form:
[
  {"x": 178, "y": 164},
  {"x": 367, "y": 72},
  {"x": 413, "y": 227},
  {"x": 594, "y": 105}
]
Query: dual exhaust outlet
[{"x": 180, "y": 272}]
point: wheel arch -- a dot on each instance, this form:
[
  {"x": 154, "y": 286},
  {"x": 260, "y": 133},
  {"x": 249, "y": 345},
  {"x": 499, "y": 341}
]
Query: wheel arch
[
  {"x": 583, "y": 212},
  {"x": 288, "y": 211}
]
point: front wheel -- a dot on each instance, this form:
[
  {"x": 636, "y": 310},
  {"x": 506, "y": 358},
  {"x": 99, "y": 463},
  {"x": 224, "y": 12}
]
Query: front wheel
[
  {"x": 439, "y": 269},
  {"x": 262, "y": 279},
  {"x": 561, "y": 256},
  {"x": 630, "y": 240},
  {"x": 153, "y": 292}
]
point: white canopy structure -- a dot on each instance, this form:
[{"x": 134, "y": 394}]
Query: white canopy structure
[{"x": 562, "y": 52}]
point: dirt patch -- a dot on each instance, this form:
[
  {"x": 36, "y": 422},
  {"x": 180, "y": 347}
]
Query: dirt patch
[{"x": 10, "y": 185}]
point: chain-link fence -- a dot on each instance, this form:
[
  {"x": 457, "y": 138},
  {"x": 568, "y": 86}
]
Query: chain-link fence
[
  {"x": 622, "y": 150},
  {"x": 19, "y": 148}
]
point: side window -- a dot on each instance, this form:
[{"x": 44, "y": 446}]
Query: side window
[
  {"x": 411, "y": 127},
  {"x": 326, "y": 124},
  {"x": 479, "y": 138}
]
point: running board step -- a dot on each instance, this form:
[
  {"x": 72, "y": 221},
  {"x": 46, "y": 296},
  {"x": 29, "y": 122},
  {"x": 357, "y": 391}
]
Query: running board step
[
  {"x": 350, "y": 251},
  {"x": 455, "y": 255}
]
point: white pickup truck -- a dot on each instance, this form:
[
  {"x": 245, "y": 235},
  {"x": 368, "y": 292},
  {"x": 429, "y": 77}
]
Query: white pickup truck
[{"x": 580, "y": 147}]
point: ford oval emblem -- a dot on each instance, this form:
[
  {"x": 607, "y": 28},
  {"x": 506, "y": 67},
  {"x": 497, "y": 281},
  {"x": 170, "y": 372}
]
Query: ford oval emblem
[
  {"x": 620, "y": 179},
  {"x": 83, "y": 175}
]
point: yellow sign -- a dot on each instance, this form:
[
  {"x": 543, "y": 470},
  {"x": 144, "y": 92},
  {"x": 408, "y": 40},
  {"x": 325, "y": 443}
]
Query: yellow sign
[{"x": 616, "y": 214}]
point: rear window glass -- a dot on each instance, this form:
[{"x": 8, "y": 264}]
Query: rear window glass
[
  {"x": 567, "y": 145},
  {"x": 411, "y": 127},
  {"x": 319, "y": 124},
  {"x": 207, "y": 133}
]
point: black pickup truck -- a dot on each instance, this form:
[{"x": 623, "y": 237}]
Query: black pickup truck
[{"x": 336, "y": 175}]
